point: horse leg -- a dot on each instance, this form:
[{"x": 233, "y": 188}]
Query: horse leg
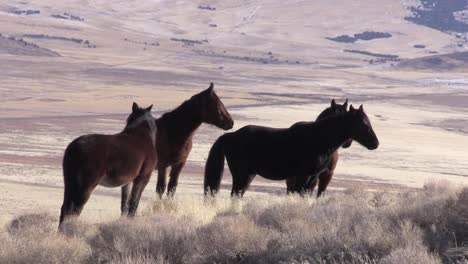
[
  {"x": 313, "y": 184},
  {"x": 174, "y": 178},
  {"x": 74, "y": 202},
  {"x": 310, "y": 186},
  {"x": 80, "y": 200},
  {"x": 75, "y": 196},
  {"x": 325, "y": 179},
  {"x": 125, "y": 198},
  {"x": 161, "y": 185},
  {"x": 139, "y": 185},
  {"x": 290, "y": 182},
  {"x": 240, "y": 183},
  {"x": 66, "y": 209},
  {"x": 301, "y": 183}
]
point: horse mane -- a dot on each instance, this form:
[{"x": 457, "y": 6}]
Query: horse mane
[
  {"x": 145, "y": 117},
  {"x": 183, "y": 108},
  {"x": 324, "y": 114},
  {"x": 333, "y": 122}
]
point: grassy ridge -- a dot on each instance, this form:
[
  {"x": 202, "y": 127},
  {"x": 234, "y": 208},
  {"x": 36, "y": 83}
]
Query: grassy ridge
[{"x": 424, "y": 226}]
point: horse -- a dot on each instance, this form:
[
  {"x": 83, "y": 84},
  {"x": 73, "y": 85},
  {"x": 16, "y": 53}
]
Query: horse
[
  {"x": 176, "y": 129},
  {"x": 325, "y": 177},
  {"x": 299, "y": 151},
  {"x": 125, "y": 159}
]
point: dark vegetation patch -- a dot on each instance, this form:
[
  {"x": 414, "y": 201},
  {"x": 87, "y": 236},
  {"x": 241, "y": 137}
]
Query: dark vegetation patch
[
  {"x": 439, "y": 14},
  {"x": 366, "y": 35},
  {"x": 67, "y": 16},
  {"x": 24, "y": 12},
  {"x": 15, "y": 46},
  {"x": 74, "y": 40},
  {"x": 207, "y": 7},
  {"x": 379, "y": 57},
  {"x": 190, "y": 42},
  {"x": 267, "y": 58},
  {"x": 146, "y": 43}
]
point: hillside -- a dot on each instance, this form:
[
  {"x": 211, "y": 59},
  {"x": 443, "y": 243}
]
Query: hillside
[{"x": 74, "y": 67}]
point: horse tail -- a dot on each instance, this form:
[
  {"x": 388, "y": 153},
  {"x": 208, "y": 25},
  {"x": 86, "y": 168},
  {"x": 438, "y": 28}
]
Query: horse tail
[
  {"x": 214, "y": 167},
  {"x": 67, "y": 172},
  {"x": 71, "y": 172}
]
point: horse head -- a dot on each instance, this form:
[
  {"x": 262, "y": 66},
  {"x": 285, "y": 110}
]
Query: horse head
[
  {"x": 361, "y": 130},
  {"x": 333, "y": 110},
  {"x": 139, "y": 115},
  {"x": 213, "y": 110}
]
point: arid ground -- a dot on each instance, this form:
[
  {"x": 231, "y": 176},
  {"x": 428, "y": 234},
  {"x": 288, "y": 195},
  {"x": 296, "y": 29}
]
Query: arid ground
[{"x": 69, "y": 68}]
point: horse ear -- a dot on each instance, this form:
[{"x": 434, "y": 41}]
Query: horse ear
[
  {"x": 351, "y": 108},
  {"x": 333, "y": 103},
  {"x": 211, "y": 88},
  {"x": 345, "y": 105},
  {"x": 361, "y": 108},
  {"x": 149, "y": 108},
  {"x": 134, "y": 107}
]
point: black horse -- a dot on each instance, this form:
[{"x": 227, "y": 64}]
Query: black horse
[
  {"x": 327, "y": 173},
  {"x": 300, "y": 151}
]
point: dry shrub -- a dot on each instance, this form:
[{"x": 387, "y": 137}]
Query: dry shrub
[
  {"x": 159, "y": 237},
  {"x": 414, "y": 253},
  {"x": 431, "y": 209},
  {"x": 457, "y": 218},
  {"x": 234, "y": 237},
  {"x": 417, "y": 226},
  {"x": 76, "y": 228},
  {"x": 7, "y": 248},
  {"x": 199, "y": 209},
  {"x": 457, "y": 255},
  {"x": 138, "y": 259},
  {"x": 341, "y": 231},
  {"x": 35, "y": 226},
  {"x": 33, "y": 238},
  {"x": 457, "y": 229}
]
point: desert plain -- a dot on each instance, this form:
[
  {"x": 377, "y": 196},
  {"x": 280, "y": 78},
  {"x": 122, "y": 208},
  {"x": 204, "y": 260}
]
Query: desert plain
[{"x": 69, "y": 68}]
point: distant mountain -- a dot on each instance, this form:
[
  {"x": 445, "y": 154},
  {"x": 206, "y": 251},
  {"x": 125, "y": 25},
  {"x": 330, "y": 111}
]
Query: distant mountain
[
  {"x": 440, "y": 15},
  {"x": 14, "y": 46},
  {"x": 443, "y": 62}
]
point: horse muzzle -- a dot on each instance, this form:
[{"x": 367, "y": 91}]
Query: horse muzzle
[
  {"x": 374, "y": 145},
  {"x": 228, "y": 125}
]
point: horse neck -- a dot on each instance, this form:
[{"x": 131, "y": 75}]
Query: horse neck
[
  {"x": 184, "y": 120},
  {"x": 147, "y": 127},
  {"x": 331, "y": 132}
]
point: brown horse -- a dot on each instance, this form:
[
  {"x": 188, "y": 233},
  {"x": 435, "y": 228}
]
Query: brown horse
[
  {"x": 125, "y": 159},
  {"x": 176, "y": 129},
  {"x": 300, "y": 151},
  {"x": 325, "y": 177}
]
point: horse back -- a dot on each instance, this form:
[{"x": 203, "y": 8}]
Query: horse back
[
  {"x": 260, "y": 150},
  {"x": 274, "y": 153},
  {"x": 112, "y": 156}
]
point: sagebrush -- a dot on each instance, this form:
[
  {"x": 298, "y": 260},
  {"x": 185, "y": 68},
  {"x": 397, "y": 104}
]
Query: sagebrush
[{"x": 418, "y": 226}]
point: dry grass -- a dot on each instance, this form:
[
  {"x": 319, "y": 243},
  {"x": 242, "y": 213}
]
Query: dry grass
[{"x": 424, "y": 226}]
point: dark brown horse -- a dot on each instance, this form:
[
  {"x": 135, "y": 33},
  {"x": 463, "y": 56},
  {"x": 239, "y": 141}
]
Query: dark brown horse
[
  {"x": 176, "y": 129},
  {"x": 125, "y": 159},
  {"x": 300, "y": 151},
  {"x": 325, "y": 177}
]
